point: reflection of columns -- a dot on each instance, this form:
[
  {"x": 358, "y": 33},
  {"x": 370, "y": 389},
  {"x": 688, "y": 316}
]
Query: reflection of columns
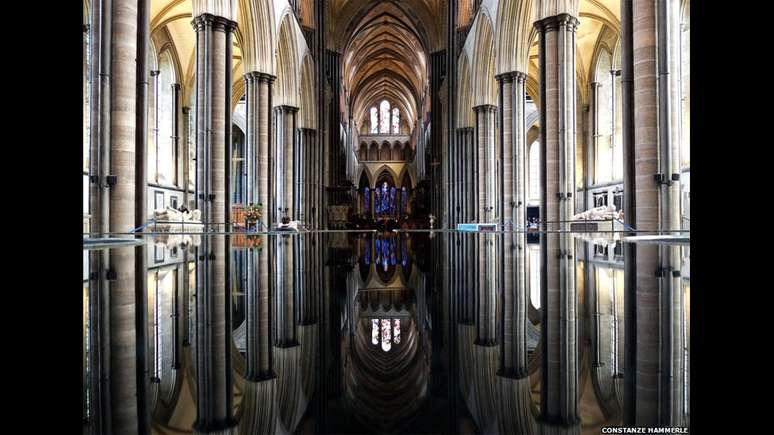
[
  {"x": 559, "y": 395},
  {"x": 284, "y": 162},
  {"x": 213, "y": 95},
  {"x": 485, "y": 174},
  {"x": 213, "y": 338},
  {"x": 258, "y": 317},
  {"x": 486, "y": 300},
  {"x": 285, "y": 301}
]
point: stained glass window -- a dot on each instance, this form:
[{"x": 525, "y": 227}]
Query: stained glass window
[
  {"x": 384, "y": 112},
  {"x": 374, "y": 120},
  {"x": 395, "y": 121},
  {"x": 397, "y": 330}
]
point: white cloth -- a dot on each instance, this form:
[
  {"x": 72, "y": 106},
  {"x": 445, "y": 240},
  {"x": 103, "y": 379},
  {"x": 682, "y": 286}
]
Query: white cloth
[{"x": 599, "y": 213}]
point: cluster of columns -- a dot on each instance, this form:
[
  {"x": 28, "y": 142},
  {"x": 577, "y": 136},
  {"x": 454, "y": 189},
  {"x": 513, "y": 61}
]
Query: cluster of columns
[{"x": 258, "y": 152}]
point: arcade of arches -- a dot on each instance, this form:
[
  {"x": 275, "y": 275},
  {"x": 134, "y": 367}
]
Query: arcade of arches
[{"x": 380, "y": 115}]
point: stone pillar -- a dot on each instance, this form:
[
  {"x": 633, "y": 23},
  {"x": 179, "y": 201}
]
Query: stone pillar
[
  {"x": 284, "y": 163},
  {"x": 213, "y": 329},
  {"x": 485, "y": 174},
  {"x": 559, "y": 394},
  {"x": 213, "y": 95},
  {"x": 186, "y": 154}
]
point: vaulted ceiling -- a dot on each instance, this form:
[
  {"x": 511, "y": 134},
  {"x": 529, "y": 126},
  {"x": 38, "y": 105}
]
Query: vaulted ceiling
[{"x": 385, "y": 46}]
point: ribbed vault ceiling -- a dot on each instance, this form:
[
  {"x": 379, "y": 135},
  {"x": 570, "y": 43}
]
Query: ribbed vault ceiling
[{"x": 385, "y": 57}]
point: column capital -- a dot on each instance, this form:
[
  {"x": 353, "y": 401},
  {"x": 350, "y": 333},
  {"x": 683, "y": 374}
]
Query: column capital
[
  {"x": 286, "y": 109},
  {"x": 249, "y": 77},
  {"x": 485, "y": 108},
  {"x": 551, "y": 24},
  {"x": 264, "y": 77},
  {"x": 595, "y": 84},
  {"x": 154, "y": 72},
  {"x": 519, "y": 76},
  {"x": 221, "y": 24},
  {"x": 176, "y": 86},
  {"x": 186, "y": 110},
  {"x": 504, "y": 77}
]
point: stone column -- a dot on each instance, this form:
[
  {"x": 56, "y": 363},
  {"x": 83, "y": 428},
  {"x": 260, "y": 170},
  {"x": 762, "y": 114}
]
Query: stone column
[
  {"x": 559, "y": 394},
  {"x": 213, "y": 329},
  {"x": 213, "y": 92},
  {"x": 284, "y": 163},
  {"x": 186, "y": 154},
  {"x": 485, "y": 176}
]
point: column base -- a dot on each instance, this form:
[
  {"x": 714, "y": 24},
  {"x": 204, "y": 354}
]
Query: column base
[
  {"x": 286, "y": 344},
  {"x": 260, "y": 377},
  {"x": 227, "y": 426},
  {"x": 512, "y": 373},
  {"x": 486, "y": 342}
]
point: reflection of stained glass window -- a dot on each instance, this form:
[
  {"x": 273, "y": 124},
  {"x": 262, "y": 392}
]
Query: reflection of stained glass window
[
  {"x": 374, "y": 120},
  {"x": 386, "y": 335},
  {"x": 374, "y": 331},
  {"x": 384, "y": 122},
  {"x": 366, "y": 197},
  {"x": 395, "y": 121},
  {"x": 397, "y": 331}
]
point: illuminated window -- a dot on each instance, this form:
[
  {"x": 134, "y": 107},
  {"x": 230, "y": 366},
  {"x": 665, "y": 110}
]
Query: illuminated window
[
  {"x": 384, "y": 114},
  {"x": 395, "y": 121},
  {"x": 534, "y": 172},
  {"x": 396, "y": 330},
  {"x": 374, "y": 120}
]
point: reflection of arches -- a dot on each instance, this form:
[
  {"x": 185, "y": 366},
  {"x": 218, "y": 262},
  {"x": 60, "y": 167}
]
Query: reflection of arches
[
  {"x": 373, "y": 152},
  {"x": 362, "y": 153}
]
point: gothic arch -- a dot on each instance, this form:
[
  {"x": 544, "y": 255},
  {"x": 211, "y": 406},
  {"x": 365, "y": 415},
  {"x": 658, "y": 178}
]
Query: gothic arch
[{"x": 484, "y": 84}]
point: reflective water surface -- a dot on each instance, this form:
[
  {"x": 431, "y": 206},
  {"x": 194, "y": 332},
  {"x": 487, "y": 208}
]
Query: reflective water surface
[{"x": 401, "y": 332}]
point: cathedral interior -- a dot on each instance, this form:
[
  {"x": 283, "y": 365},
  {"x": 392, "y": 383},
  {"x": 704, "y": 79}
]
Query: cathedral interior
[{"x": 385, "y": 216}]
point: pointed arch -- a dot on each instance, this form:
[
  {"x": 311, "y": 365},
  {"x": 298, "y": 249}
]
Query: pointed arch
[
  {"x": 258, "y": 31},
  {"x": 308, "y": 106},
  {"x": 484, "y": 84},
  {"x": 464, "y": 93},
  {"x": 286, "y": 65}
]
